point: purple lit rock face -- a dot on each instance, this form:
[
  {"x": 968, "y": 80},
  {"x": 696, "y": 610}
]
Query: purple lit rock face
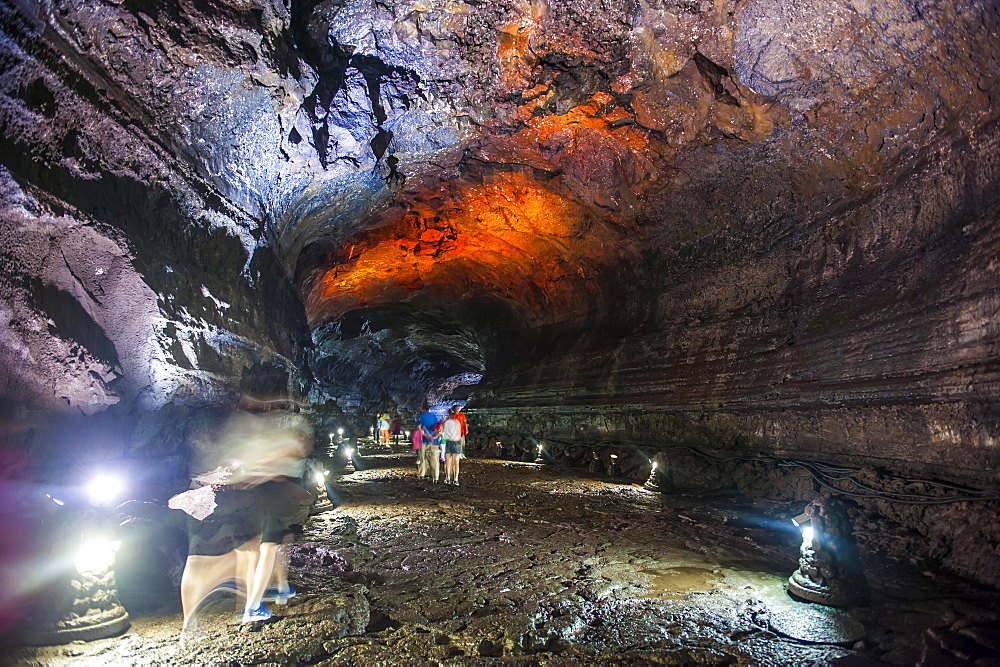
[
  {"x": 83, "y": 330},
  {"x": 758, "y": 228}
]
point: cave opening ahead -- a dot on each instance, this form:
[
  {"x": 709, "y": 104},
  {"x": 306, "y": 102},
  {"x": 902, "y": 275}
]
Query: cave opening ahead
[{"x": 751, "y": 244}]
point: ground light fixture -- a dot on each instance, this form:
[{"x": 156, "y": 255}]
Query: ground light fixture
[
  {"x": 349, "y": 458},
  {"x": 96, "y": 556},
  {"x": 540, "y": 455},
  {"x": 655, "y": 479},
  {"x": 79, "y": 600},
  {"x": 320, "y": 475},
  {"x": 614, "y": 467},
  {"x": 829, "y": 569},
  {"x": 803, "y": 523}
]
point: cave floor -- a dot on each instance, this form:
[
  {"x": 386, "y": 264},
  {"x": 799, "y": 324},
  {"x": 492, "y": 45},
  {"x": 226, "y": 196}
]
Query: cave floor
[{"x": 526, "y": 564}]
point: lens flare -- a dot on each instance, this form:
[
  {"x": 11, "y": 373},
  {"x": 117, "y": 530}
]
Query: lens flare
[{"x": 105, "y": 489}]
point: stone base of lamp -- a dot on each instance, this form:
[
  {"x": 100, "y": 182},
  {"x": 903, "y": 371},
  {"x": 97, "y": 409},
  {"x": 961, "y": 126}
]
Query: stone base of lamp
[
  {"x": 655, "y": 480},
  {"x": 85, "y": 608},
  {"x": 829, "y": 570}
]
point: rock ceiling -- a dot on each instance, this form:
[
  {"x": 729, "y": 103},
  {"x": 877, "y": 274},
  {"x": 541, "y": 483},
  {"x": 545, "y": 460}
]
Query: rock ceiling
[{"x": 749, "y": 205}]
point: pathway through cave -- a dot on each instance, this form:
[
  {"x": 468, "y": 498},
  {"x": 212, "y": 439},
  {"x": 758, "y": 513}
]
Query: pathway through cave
[{"x": 529, "y": 564}]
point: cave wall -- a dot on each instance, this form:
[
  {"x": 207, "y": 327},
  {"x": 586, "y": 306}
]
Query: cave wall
[
  {"x": 137, "y": 291},
  {"x": 871, "y": 338},
  {"x": 761, "y": 226},
  {"x": 824, "y": 291}
]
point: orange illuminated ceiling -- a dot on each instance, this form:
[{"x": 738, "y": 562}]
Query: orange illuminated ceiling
[
  {"x": 546, "y": 198},
  {"x": 506, "y": 236},
  {"x": 530, "y": 227}
]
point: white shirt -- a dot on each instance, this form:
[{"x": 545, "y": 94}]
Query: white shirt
[{"x": 452, "y": 429}]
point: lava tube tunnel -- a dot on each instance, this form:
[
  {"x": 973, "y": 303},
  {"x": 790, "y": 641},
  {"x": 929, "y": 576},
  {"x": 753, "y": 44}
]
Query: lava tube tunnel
[{"x": 525, "y": 332}]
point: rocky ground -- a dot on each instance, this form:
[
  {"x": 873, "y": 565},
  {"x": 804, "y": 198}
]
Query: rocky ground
[{"x": 531, "y": 565}]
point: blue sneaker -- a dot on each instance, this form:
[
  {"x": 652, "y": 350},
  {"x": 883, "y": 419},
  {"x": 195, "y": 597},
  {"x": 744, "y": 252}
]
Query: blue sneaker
[
  {"x": 254, "y": 615},
  {"x": 277, "y": 596}
]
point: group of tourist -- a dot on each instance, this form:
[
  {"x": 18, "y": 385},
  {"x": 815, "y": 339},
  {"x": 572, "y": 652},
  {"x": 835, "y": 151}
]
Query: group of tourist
[
  {"x": 389, "y": 431},
  {"x": 437, "y": 439}
]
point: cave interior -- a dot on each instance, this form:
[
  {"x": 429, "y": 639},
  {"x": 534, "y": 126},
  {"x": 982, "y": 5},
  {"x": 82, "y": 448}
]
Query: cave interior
[{"x": 756, "y": 242}]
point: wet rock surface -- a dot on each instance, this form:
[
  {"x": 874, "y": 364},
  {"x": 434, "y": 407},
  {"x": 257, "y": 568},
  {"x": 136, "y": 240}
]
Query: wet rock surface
[{"x": 527, "y": 564}]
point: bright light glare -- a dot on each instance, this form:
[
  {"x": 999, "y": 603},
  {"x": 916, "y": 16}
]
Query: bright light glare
[
  {"x": 807, "y": 535},
  {"x": 96, "y": 556},
  {"x": 340, "y": 431},
  {"x": 655, "y": 465},
  {"x": 104, "y": 489},
  {"x": 349, "y": 451},
  {"x": 318, "y": 477},
  {"x": 614, "y": 456}
]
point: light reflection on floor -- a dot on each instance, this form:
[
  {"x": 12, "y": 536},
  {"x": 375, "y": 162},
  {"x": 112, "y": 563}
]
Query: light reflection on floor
[{"x": 532, "y": 562}]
